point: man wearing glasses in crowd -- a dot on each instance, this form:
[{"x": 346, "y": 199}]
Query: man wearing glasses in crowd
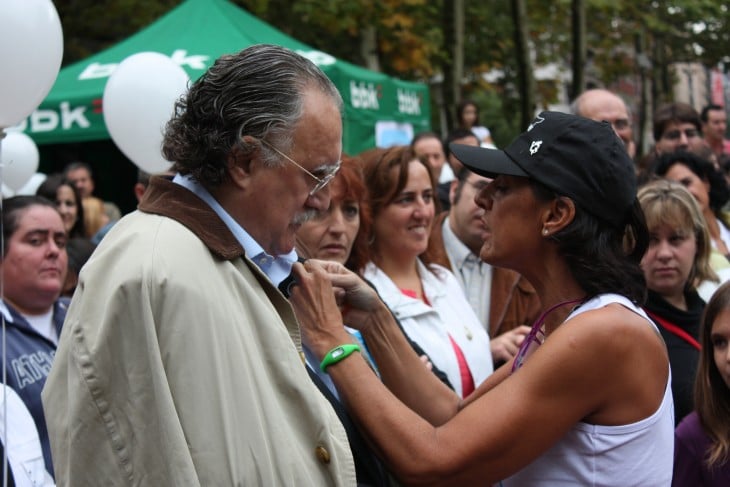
[
  {"x": 677, "y": 127},
  {"x": 180, "y": 362}
]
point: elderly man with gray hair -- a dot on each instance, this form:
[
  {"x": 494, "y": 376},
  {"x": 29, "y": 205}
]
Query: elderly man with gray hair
[{"x": 181, "y": 362}]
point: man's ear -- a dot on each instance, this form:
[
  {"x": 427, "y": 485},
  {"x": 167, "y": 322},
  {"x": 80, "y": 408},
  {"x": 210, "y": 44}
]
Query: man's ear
[
  {"x": 240, "y": 161},
  {"x": 452, "y": 191}
]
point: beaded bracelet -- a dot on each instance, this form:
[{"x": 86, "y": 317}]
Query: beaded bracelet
[{"x": 338, "y": 353}]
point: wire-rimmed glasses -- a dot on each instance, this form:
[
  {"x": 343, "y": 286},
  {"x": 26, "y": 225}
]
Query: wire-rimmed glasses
[
  {"x": 536, "y": 336},
  {"x": 321, "y": 182}
]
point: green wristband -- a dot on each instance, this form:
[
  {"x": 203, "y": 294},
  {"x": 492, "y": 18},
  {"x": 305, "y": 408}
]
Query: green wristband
[{"x": 338, "y": 353}]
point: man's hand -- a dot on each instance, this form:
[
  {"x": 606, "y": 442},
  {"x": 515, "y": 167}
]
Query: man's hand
[{"x": 506, "y": 345}]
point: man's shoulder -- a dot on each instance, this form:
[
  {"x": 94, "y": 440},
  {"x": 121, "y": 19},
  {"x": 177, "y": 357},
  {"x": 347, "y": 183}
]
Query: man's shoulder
[
  {"x": 140, "y": 229},
  {"x": 172, "y": 200},
  {"x": 143, "y": 246}
]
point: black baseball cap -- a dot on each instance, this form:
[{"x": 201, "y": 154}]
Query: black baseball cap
[{"x": 574, "y": 156}]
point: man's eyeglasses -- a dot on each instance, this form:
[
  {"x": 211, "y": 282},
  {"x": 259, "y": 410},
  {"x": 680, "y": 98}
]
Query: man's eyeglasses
[
  {"x": 620, "y": 124},
  {"x": 536, "y": 336},
  {"x": 321, "y": 182},
  {"x": 676, "y": 134}
]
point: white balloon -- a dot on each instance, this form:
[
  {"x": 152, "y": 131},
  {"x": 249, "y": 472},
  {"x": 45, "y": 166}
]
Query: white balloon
[
  {"x": 19, "y": 159},
  {"x": 31, "y": 48},
  {"x": 31, "y": 186},
  {"x": 6, "y": 192},
  {"x": 138, "y": 100}
]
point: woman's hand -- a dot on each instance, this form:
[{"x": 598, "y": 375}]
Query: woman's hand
[{"x": 322, "y": 289}]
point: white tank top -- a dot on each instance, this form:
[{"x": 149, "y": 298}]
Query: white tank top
[{"x": 637, "y": 454}]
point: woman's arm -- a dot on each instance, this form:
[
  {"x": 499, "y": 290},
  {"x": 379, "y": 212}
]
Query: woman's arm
[
  {"x": 400, "y": 368},
  {"x": 579, "y": 374}
]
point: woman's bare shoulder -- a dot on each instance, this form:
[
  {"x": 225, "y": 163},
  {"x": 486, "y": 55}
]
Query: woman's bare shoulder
[{"x": 625, "y": 353}]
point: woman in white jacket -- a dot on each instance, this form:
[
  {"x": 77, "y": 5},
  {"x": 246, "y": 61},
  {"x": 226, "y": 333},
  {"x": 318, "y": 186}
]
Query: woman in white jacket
[{"x": 425, "y": 297}]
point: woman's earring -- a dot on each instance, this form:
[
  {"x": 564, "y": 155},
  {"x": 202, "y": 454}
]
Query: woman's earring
[{"x": 545, "y": 231}]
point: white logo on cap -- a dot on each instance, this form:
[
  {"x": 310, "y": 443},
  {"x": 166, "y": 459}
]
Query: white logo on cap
[
  {"x": 538, "y": 119},
  {"x": 535, "y": 146}
]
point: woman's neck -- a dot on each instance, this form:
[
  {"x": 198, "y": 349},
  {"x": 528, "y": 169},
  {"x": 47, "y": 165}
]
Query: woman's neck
[
  {"x": 555, "y": 284},
  {"x": 713, "y": 227},
  {"x": 30, "y": 308},
  {"x": 678, "y": 300},
  {"x": 402, "y": 271}
]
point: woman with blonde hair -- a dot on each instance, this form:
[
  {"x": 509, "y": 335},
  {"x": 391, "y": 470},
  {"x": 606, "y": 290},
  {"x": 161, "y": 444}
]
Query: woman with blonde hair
[
  {"x": 702, "y": 439},
  {"x": 709, "y": 188},
  {"x": 676, "y": 261},
  {"x": 95, "y": 216}
]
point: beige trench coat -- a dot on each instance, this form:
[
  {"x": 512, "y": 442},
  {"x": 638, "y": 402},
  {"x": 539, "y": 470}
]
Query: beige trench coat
[{"x": 180, "y": 364}]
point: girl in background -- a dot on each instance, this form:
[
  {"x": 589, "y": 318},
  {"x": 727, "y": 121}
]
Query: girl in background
[
  {"x": 61, "y": 191},
  {"x": 702, "y": 439},
  {"x": 467, "y": 116}
]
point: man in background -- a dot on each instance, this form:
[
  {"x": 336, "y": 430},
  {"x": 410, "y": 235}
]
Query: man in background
[
  {"x": 457, "y": 136},
  {"x": 714, "y": 126},
  {"x": 428, "y": 146},
  {"x": 677, "y": 127},
  {"x": 600, "y": 104}
]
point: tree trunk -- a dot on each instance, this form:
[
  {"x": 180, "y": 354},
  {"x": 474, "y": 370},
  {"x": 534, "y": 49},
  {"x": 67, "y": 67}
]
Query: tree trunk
[
  {"x": 369, "y": 48},
  {"x": 458, "y": 49},
  {"x": 644, "y": 108},
  {"x": 525, "y": 75},
  {"x": 451, "y": 86},
  {"x": 578, "y": 20}
]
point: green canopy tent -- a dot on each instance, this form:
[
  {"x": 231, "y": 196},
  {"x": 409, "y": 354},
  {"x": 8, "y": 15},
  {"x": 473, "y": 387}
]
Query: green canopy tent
[{"x": 379, "y": 110}]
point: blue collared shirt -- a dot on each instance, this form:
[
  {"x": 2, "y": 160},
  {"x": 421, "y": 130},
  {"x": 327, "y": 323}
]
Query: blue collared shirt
[{"x": 277, "y": 268}]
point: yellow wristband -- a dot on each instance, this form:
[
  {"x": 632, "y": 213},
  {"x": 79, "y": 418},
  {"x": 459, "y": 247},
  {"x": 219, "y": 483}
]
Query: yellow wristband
[{"x": 338, "y": 353}]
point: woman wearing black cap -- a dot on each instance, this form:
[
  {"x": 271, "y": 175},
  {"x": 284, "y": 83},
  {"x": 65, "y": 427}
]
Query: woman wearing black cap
[{"x": 591, "y": 405}]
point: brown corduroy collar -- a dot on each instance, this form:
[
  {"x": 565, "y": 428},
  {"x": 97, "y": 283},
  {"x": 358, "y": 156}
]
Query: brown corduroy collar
[{"x": 165, "y": 198}]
